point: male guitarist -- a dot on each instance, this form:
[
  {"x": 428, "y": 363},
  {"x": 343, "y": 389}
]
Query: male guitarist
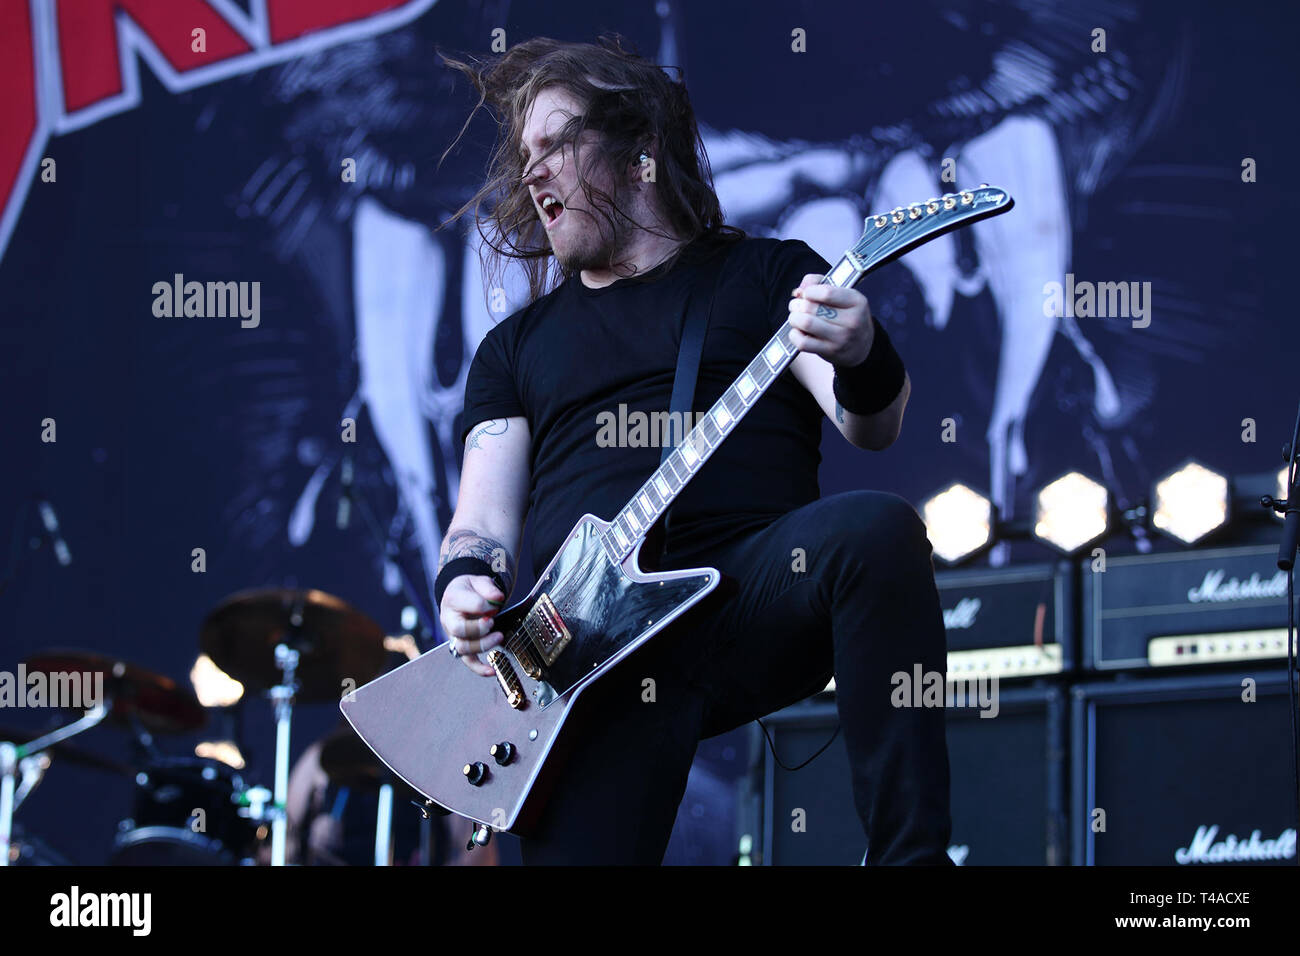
[{"x": 600, "y": 167}]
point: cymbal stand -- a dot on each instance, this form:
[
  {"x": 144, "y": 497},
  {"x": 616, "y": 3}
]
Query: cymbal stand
[
  {"x": 384, "y": 825},
  {"x": 286, "y": 658},
  {"x": 13, "y": 756}
]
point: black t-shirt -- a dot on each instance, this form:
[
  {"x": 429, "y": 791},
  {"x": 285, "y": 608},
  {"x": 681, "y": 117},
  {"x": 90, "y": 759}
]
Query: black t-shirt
[{"x": 578, "y": 352}]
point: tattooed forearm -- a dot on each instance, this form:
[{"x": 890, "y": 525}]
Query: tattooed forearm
[
  {"x": 465, "y": 543},
  {"x": 839, "y": 413},
  {"x": 496, "y": 426}
]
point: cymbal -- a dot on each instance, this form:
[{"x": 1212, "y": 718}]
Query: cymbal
[
  {"x": 63, "y": 750},
  {"x": 335, "y": 642},
  {"x": 160, "y": 704}
]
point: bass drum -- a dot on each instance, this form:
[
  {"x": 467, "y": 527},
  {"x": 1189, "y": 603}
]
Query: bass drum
[{"x": 186, "y": 813}]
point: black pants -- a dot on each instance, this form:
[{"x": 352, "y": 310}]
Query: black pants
[{"x": 843, "y": 586}]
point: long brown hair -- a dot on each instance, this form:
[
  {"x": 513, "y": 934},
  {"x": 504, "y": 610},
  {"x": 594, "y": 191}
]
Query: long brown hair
[{"x": 630, "y": 101}]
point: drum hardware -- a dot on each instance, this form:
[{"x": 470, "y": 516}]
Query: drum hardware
[
  {"x": 296, "y": 646},
  {"x": 348, "y": 762},
  {"x": 28, "y": 849},
  {"x": 189, "y": 811},
  {"x": 144, "y": 701},
  {"x": 282, "y": 696},
  {"x": 29, "y": 760}
]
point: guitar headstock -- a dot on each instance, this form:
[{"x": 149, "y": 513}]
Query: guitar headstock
[{"x": 897, "y": 232}]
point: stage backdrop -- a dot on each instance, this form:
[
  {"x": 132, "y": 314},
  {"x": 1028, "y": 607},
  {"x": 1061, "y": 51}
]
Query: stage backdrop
[{"x": 290, "y": 147}]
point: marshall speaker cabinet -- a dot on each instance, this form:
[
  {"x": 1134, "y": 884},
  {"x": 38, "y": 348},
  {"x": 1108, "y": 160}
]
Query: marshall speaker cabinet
[
  {"x": 1183, "y": 608},
  {"x": 1008, "y": 793},
  {"x": 1188, "y": 771}
]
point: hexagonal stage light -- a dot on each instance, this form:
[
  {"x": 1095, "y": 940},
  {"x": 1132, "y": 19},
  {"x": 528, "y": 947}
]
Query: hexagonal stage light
[
  {"x": 958, "y": 522},
  {"x": 1071, "y": 512},
  {"x": 1190, "y": 502}
]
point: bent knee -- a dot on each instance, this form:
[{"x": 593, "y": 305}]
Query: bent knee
[{"x": 880, "y": 519}]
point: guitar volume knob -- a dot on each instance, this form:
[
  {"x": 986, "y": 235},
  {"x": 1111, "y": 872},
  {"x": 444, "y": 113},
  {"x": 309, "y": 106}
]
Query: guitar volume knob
[
  {"x": 503, "y": 752},
  {"x": 475, "y": 773}
]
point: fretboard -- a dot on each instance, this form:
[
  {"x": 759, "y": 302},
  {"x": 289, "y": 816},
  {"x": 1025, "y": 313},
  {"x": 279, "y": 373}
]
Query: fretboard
[{"x": 656, "y": 495}]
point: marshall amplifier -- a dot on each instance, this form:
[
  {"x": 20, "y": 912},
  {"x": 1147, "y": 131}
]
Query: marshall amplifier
[
  {"x": 1011, "y": 622},
  {"x": 1183, "y": 771},
  {"x": 1008, "y": 623},
  {"x": 1008, "y": 793},
  {"x": 1184, "y": 607}
]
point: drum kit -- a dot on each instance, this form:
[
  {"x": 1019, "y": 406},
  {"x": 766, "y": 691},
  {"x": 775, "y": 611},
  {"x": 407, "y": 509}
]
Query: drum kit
[{"x": 293, "y": 647}]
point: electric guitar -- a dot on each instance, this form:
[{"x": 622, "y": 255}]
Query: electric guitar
[{"x": 483, "y": 748}]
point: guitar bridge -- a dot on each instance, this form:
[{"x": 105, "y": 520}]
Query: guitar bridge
[
  {"x": 507, "y": 678},
  {"x": 546, "y": 629}
]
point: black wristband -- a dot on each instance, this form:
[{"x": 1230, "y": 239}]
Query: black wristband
[
  {"x": 873, "y": 385},
  {"x": 458, "y": 566}
]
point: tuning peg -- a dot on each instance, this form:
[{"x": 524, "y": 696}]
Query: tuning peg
[
  {"x": 932, "y": 206},
  {"x": 967, "y": 197}
]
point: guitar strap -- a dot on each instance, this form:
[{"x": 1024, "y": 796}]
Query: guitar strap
[{"x": 699, "y": 310}]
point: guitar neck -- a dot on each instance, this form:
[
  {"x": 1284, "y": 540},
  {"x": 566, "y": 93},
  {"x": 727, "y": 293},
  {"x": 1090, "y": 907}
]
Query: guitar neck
[
  {"x": 886, "y": 237},
  {"x": 658, "y": 493}
]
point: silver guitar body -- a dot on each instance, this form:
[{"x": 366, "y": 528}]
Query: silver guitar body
[{"x": 480, "y": 747}]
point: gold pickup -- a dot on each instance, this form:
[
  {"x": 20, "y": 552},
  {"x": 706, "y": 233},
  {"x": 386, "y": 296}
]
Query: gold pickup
[
  {"x": 546, "y": 630},
  {"x": 524, "y": 655}
]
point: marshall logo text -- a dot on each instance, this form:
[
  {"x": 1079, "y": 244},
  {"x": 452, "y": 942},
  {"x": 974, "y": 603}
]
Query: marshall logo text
[
  {"x": 1204, "y": 849},
  {"x": 1214, "y": 588}
]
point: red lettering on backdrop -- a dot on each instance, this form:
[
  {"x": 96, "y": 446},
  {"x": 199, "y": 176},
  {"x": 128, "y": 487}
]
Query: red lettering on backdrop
[
  {"x": 92, "y": 70},
  {"x": 18, "y": 80},
  {"x": 290, "y": 19}
]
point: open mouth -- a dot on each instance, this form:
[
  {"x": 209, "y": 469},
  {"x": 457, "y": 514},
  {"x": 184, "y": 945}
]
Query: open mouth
[{"x": 552, "y": 209}]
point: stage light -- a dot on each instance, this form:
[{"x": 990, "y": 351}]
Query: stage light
[
  {"x": 213, "y": 686},
  {"x": 1190, "y": 502},
  {"x": 1071, "y": 512},
  {"x": 224, "y": 751},
  {"x": 958, "y": 522}
]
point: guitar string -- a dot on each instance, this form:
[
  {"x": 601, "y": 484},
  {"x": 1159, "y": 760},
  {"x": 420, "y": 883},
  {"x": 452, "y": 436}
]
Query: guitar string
[{"x": 520, "y": 637}]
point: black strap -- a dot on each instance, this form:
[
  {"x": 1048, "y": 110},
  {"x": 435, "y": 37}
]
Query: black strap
[{"x": 699, "y": 310}]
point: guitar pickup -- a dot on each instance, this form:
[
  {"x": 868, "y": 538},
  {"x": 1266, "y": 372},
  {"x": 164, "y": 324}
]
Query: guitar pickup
[
  {"x": 546, "y": 629},
  {"x": 527, "y": 659},
  {"x": 507, "y": 678}
]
